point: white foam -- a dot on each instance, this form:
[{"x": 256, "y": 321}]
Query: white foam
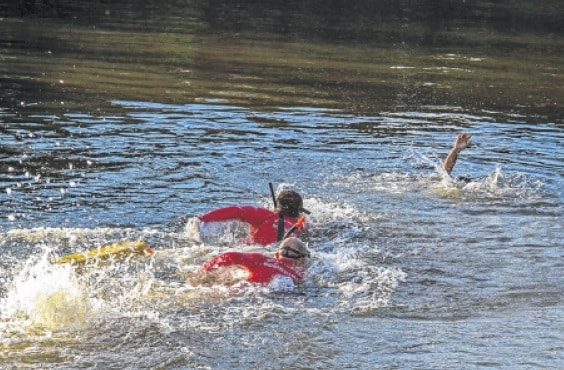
[{"x": 47, "y": 295}]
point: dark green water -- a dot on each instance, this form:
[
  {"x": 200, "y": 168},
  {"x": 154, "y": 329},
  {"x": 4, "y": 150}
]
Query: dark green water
[{"x": 367, "y": 57}]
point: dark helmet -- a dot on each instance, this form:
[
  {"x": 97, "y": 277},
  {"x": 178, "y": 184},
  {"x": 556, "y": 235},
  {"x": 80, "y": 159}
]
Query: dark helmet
[{"x": 289, "y": 203}]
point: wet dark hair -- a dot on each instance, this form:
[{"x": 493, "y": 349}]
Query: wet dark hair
[{"x": 289, "y": 203}]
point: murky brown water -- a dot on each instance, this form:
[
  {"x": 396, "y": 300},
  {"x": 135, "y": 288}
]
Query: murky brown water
[{"x": 190, "y": 54}]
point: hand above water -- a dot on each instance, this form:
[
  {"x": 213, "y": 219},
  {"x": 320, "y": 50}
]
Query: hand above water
[{"x": 462, "y": 141}]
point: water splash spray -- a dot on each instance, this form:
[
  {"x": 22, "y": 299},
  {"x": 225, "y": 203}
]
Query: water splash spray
[{"x": 46, "y": 295}]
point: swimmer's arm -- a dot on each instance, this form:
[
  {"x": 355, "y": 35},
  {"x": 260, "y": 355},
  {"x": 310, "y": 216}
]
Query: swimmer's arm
[
  {"x": 210, "y": 273},
  {"x": 462, "y": 142},
  {"x": 213, "y": 271},
  {"x": 232, "y": 258},
  {"x": 450, "y": 160},
  {"x": 248, "y": 214}
]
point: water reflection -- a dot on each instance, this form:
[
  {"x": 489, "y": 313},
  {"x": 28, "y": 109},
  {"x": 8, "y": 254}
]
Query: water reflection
[
  {"x": 153, "y": 147},
  {"x": 192, "y": 53}
]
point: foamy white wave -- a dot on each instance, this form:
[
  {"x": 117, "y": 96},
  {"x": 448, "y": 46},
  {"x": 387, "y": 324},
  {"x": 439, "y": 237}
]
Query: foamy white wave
[
  {"x": 371, "y": 290},
  {"x": 323, "y": 211},
  {"x": 358, "y": 285},
  {"x": 47, "y": 295},
  {"x": 282, "y": 284},
  {"x": 42, "y": 292},
  {"x": 495, "y": 184}
]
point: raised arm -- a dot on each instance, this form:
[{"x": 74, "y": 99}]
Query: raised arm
[
  {"x": 462, "y": 142},
  {"x": 248, "y": 214}
]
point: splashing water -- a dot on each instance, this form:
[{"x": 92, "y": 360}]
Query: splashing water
[
  {"x": 47, "y": 295},
  {"x": 401, "y": 253}
]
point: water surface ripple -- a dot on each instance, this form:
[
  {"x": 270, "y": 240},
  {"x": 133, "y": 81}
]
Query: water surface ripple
[{"x": 410, "y": 269}]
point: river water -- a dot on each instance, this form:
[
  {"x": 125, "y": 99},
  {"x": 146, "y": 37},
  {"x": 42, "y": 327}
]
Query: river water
[{"x": 409, "y": 269}]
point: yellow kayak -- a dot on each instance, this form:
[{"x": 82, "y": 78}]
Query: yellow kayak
[{"x": 120, "y": 249}]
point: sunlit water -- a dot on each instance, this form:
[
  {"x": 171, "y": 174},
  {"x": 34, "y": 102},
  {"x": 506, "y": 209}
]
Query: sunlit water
[{"x": 410, "y": 269}]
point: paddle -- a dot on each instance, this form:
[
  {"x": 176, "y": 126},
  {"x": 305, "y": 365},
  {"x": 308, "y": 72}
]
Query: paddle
[
  {"x": 120, "y": 250},
  {"x": 299, "y": 223}
]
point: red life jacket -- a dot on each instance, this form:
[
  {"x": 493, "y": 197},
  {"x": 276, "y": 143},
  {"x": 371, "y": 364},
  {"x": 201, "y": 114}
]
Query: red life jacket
[
  {"x": 263, "y": 222},
  {"x": 262, "y": 269}
]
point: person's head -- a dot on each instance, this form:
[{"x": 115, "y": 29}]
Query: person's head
[
  {"x": 294, "y": 249},
  {"x": 289, "y": 203}
]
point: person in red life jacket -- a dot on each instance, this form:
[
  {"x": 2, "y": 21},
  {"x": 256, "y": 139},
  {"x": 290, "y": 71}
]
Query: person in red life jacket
[
  {"x": 290, "y": 261},
  {"x": 266, "y": 226}
]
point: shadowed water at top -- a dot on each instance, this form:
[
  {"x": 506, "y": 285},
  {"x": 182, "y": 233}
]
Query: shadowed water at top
[{"x": 363, "y": 58}]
